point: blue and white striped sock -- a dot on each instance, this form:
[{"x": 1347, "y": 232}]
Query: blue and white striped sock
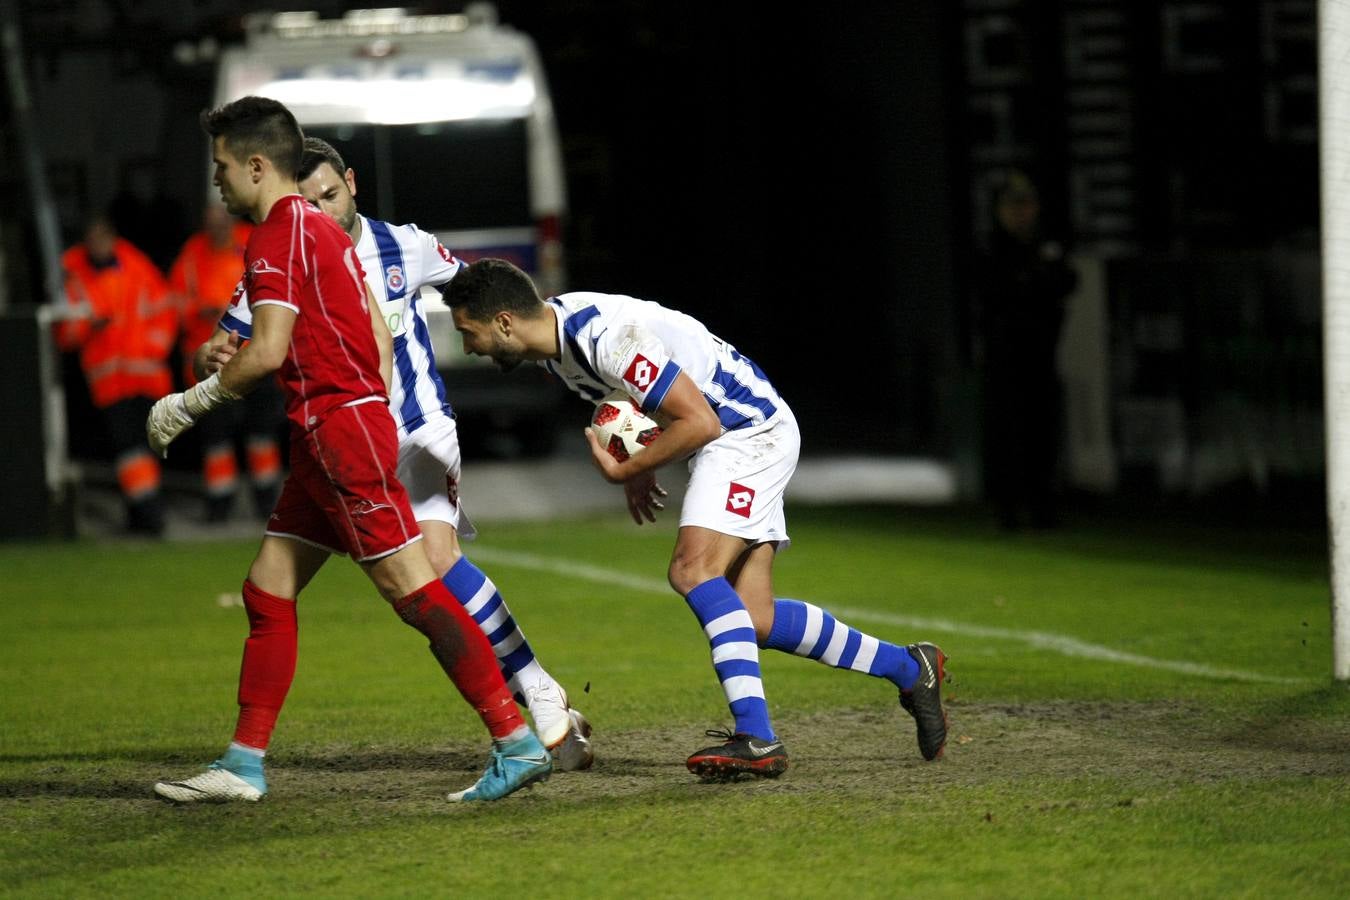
[
  {"x": 735, "y": 655},
  {"x": 805, "y": 630},
  {"x": 481, "y": 599}
]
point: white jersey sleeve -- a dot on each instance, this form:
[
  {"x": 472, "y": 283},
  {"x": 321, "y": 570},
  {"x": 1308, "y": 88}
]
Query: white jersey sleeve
[
  {"x": 238, "y": 316},
  {"x": 399, "y": 261},
  {"x": 635, "y": 358},
  {"x": 437, "y": 264},
  {"x": 610, "y": 341}
]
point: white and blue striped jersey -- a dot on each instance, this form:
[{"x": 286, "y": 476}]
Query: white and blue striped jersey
[
  {"x": 399, "y": 260},
  {"x": 611, "y": 342}
]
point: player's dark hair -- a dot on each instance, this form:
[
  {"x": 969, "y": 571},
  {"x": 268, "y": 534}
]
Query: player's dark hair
[
  {"x": 490, "y": 286},
  {"x": 317, "y": 152},
  {"x": 258, "y": 125}
]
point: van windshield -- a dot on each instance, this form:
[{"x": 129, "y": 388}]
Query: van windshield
[{"x": 443, "y": 176}]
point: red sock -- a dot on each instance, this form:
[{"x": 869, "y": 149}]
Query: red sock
[
  {"x": 463, "y": 651},
  {"x": 269, "y": 665}
]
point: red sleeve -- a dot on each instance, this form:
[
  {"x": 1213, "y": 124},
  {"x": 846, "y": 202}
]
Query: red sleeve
[{"x": 276, "y": 264}]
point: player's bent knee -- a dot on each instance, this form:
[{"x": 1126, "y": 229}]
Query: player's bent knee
[
  {"x": 284, "y": 567},
  {"x": 686, "y": 574},
  {"x": 400, "y": 573},
  {"x": 441, "y": 545}
]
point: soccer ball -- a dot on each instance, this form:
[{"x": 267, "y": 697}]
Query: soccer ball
[{"x": 622, "y": 427}]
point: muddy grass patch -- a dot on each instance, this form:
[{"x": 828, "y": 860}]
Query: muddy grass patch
[{"x": 869, "y": 751}]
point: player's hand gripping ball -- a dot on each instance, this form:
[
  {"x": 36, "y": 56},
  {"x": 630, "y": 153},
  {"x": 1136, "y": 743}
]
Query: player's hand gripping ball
[{"x": 621, "y": 426}]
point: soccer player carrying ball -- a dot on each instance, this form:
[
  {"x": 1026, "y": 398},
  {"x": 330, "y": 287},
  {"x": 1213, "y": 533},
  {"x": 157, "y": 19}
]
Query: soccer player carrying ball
[{"x": 717, "y": 408}]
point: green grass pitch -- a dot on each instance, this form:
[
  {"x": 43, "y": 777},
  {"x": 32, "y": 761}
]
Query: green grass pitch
[{"x": 1136, "y": 710}]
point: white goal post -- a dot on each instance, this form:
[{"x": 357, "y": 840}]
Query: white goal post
[{"x": 1333, "y": 51}]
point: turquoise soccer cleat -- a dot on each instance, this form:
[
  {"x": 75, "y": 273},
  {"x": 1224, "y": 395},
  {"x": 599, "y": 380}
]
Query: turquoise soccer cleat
[{"x": 510, "y": 767}]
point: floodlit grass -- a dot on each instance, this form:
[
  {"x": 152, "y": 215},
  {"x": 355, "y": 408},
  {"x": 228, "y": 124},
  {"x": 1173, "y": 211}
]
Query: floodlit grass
[{"x": 1066, "y": 775}]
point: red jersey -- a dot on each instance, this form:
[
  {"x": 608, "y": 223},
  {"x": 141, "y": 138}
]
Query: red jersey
[{"x": 301, "y": 259}]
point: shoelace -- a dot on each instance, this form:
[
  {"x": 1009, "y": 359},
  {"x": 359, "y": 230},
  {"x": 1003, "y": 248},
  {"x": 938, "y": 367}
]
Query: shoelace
[{"x": 724, "y": 735}]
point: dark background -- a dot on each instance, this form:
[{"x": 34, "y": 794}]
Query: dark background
[{"x": 814, "y": 185}]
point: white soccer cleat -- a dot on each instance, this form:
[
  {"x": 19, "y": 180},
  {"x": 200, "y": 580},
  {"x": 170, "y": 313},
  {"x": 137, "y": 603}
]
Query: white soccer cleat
[
  {"x": 212, "y": 786},
  {"x": 548, "y": 707},
  {"x": 575, "y": 752}
]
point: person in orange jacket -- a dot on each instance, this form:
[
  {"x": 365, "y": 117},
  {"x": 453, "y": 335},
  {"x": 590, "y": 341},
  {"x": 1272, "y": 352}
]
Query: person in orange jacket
[
  {"x": 203, "y": 280},
  {"x": 123, "y": 329}
]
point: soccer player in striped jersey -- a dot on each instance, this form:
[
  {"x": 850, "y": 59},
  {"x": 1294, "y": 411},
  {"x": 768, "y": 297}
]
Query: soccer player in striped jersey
[
  {"x": 717, "y": 408},
  {"x": 399, "y": 260}
]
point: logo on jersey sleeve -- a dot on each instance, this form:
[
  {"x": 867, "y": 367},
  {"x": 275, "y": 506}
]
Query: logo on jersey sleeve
[
  {"x": 641, "y": 373},
  {"x": 261, "y": 265},
  {"x": 739, "y": 500},
  {"x": 445, "y": 254},
  {"x": 393, "y": 279}
]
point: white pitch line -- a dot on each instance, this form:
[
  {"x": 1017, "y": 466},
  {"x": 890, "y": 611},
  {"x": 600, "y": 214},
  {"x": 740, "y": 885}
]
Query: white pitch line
[
  {"x": 1063, "y": 644},
  {"x": 1042, "y": 640}
]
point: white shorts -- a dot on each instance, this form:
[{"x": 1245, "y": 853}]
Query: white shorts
[
  {"x": 736, "y": 482},
  {"x": 428, "y": 466}
]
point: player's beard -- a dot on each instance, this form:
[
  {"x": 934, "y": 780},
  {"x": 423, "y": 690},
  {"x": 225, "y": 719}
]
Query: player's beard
[
  {"x": 504, "y": 356},
  {"x": 347, "y": 220},
  {"x": 507, "y": 362}
]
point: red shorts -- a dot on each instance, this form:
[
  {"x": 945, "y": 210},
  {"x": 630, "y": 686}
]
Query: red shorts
[{"x": 342, "y": 493}]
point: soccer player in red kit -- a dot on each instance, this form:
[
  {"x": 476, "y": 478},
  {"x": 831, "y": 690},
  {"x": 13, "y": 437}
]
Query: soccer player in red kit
[{"x": 314, "y": 328}]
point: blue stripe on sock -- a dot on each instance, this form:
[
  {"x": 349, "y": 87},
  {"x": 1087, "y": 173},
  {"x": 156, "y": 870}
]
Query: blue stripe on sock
[
  {"x": 826, "y": 632},
  {"x": 789, "y": 624},
  {"x": 713, "y": 599},
  {"x": 488, "y": 609},
  {"x": 734, "y": 667},
  {"x": 503, "y": 631},
  {"x": 734, "y": 635},
  {"x": 851, "y": 646},
  {"x": 516, "y": 660},
  {"x": 752, "y": 717},
  {"x": 896, "y": 664},
  {"x": 464, "y": 580}
]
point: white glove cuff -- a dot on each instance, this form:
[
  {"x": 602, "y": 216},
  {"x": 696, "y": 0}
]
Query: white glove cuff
[{"x": 206, "y": 395}]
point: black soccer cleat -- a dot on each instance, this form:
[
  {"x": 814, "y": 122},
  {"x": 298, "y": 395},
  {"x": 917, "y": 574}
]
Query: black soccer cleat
[
  {"x": 924, "y": 700},
  {"x": 739, "y": 754}
]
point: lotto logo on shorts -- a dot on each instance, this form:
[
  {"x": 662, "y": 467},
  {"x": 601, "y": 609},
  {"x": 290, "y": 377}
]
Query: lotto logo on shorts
[
  {"x": 642, "y": 373},
  {"x": 739, "y": 499}
]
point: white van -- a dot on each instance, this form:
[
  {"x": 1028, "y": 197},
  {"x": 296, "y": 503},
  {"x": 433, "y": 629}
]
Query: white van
[
  {"x": 448, "y": 122},
  {"x": 446, "y": 119}
]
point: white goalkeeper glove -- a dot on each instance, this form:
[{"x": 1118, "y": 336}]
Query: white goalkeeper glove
[{"x": 176, "y": 413}]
